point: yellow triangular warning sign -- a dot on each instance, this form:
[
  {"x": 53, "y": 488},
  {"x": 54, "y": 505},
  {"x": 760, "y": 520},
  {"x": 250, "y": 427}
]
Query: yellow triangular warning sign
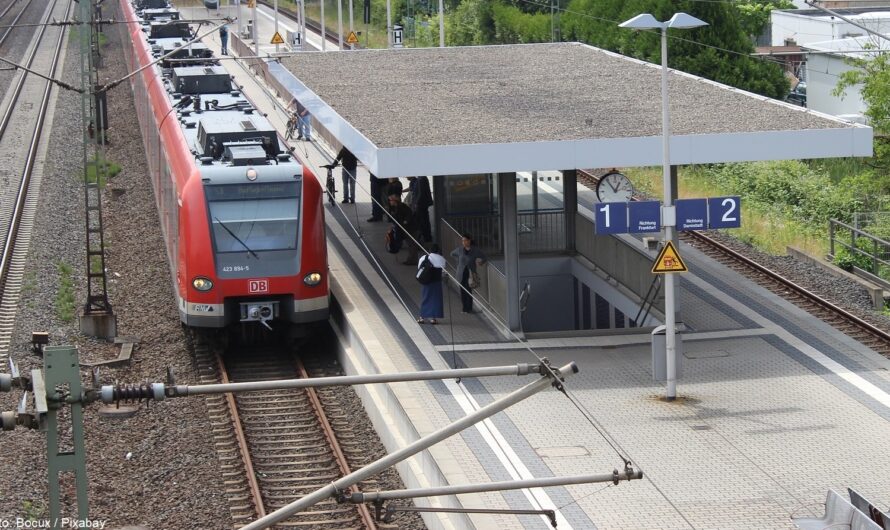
[
  {"x": 352, "y": 38},
  {"x": 276, "y": 39},
  {"x": 669, "y": 260}
]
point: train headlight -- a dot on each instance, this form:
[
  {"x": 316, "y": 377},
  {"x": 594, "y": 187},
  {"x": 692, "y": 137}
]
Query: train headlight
[
  {"x": 312, "y": 279},
  {"x": 202, "y": 284},
  {"x": 251, "y": 174}
]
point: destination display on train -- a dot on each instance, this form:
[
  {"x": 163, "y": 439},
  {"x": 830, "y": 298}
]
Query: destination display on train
[{"x": 254, "y": 190}]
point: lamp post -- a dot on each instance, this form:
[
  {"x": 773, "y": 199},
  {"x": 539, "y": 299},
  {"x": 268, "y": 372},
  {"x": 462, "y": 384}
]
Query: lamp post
[{"x": 669, "y": 218}]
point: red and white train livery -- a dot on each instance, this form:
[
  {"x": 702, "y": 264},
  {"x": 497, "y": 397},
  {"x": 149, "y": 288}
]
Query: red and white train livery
[{"x": 242, "y": 219}]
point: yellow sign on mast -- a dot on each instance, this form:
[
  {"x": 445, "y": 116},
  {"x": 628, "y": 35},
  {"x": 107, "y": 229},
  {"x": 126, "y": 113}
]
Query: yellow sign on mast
[{"x": 669, "y": 260}]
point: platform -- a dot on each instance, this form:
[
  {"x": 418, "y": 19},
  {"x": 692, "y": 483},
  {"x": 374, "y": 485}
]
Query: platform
[{"x": 776, "y": 407}]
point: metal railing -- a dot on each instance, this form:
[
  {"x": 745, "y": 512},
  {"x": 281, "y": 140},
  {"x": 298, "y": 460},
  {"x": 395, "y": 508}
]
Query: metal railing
[
  {"x": 876, "y": 250},
  {"x": 543, "y": 231}
]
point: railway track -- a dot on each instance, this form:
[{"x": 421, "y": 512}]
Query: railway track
[
  {"x": 26, "y": 105},
  {"x": 279, "y": 445},
  {"x": 841, "y": 319}
]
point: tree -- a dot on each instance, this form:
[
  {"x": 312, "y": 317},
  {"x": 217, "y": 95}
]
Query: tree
[
  {"x": 872, "y": 75},
  {"x": 470, "y": 24},
  {"x": 754, "y": 15},
  {"x": 720, "y": 51}
]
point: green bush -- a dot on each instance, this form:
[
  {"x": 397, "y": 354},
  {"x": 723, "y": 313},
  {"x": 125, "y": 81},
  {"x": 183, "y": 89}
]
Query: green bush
[
  {"x": 799, "y": 190},
  {"x": 847, "y": 258}
]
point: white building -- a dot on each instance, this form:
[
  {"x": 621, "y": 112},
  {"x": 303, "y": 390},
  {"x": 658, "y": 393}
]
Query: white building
[
  {"x": 825, "y": 63},
  {"x": 804, "y": 26},
  {"x": 826, "y": 41}
]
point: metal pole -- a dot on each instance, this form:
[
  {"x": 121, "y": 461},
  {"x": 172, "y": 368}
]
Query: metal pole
[
  {"x": 340, "y": 24},
  {"x": 194, "y": 390},
  {"x": 350, "y": 17},
  {"x": 441, "y": 24},
  {"x": 669, "y": 316},
  {"x": 412, "y": 449},
  {"x": 256, "y": 41},
  {"x": 357, "y": 498},
  {"x": 324, "y": 32},
  {"x": 275, "y": 6},
  {"x": 388, "y": 24},
  {"x": 303, "y": 23},
  {"x": 240, "y": 25}
]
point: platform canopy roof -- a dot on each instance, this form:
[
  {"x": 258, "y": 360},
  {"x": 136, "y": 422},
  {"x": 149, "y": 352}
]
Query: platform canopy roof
[{"x": 487, "y": 109}]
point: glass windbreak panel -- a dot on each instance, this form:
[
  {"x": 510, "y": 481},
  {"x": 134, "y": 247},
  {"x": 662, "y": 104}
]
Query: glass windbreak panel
[
  {"x": 254, "y": 217},
  {"x": 470, "y": 194},
  {"x": 539, "y": 191}
]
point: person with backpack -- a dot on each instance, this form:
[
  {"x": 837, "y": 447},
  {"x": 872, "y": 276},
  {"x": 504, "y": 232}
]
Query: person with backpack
[
  {"x": 403, "y": 228},
  {"x": 430, "y": 271}
]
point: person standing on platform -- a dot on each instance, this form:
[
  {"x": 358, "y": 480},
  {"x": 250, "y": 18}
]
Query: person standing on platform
[
  {"x": 431, "y": 305},
  {"x": 394, "y": 187},
  {"x": 376, "y": 209},
  {"x": 403, "y": 221},
  {"x": 224, "y": 39},
  {"x": 304, "y": 120},
  {"x": 468, "y": 258},
  {"x": 421, "y": 200},
  {"x": 347, "y": 173}
]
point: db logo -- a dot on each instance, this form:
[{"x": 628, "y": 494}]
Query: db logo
[{"x": 257, "y": 286}]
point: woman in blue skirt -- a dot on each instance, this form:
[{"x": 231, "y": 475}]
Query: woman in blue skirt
[{"x": 431, "y": 305}]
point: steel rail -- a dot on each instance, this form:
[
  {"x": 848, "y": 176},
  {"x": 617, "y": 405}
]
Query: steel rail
[
  {"x": 252, "y": 483},
  {"x": 12, "y": 234},
  {"x": 797, "y": 289},
  {"x": 7, "y": 115},
  {"x": 10, "y": 26},
  {"x": 325, "y": 433},
  {"x": 331, "y": 436}
]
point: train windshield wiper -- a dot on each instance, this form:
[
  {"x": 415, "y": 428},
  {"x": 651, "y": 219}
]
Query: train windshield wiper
[{"x": 243, "y": 244}]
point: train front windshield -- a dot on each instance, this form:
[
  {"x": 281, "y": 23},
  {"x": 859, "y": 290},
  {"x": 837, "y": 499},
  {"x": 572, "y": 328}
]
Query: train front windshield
[{"x": 254, "y": 217}]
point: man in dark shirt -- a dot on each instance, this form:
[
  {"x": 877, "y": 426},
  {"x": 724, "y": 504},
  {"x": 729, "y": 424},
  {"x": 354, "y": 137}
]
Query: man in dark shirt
[
  {"x": 350, "y": 164},
  {"x": 376, "y": 207},
  {"x": 421, "y": 200}
]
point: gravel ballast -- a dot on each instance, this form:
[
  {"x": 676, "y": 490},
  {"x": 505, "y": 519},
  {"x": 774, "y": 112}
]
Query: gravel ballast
[{"x": 158, "y": 468}]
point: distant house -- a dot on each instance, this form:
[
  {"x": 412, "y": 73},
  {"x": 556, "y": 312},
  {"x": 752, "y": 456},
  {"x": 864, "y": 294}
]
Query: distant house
[
  {"x": 825, "y": 64},
  {"x": 825, "y": 41},
  {"x": 803, "y": 26}
]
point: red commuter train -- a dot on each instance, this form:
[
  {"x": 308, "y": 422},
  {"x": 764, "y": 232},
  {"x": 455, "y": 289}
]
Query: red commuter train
[{"x": 242, "y": 219}]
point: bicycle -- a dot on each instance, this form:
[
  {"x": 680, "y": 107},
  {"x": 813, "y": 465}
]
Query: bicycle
[
  {"x": 291, "y": 126},
  {"x": 329, "y": 184}
]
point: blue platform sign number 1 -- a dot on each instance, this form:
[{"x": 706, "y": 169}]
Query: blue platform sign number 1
[
  {"x": 611, "y": 218},
  {"x": 724, "y": 212}
]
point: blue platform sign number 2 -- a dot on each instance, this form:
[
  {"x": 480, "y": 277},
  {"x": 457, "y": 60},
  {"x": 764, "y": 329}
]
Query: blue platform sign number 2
[{"x": 724, "y": 212}]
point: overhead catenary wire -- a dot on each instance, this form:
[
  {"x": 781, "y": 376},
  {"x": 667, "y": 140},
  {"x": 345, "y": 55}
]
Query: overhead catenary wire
[{"x": 610, "y": 440}]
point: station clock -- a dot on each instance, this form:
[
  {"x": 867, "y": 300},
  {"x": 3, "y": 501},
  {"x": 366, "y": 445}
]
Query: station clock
[{"x": 614, "y": 187}]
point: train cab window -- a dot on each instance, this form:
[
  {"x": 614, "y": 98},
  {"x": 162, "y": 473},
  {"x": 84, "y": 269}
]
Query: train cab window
[{"x": 254, "y": 217}]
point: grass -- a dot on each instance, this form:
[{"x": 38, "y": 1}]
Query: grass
[
  {"x": 764, "y": 228},
  {"x": 101, "y": 170},
  {"x": 32, "y": 511},
  {"x": 65, "y": 305}
]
